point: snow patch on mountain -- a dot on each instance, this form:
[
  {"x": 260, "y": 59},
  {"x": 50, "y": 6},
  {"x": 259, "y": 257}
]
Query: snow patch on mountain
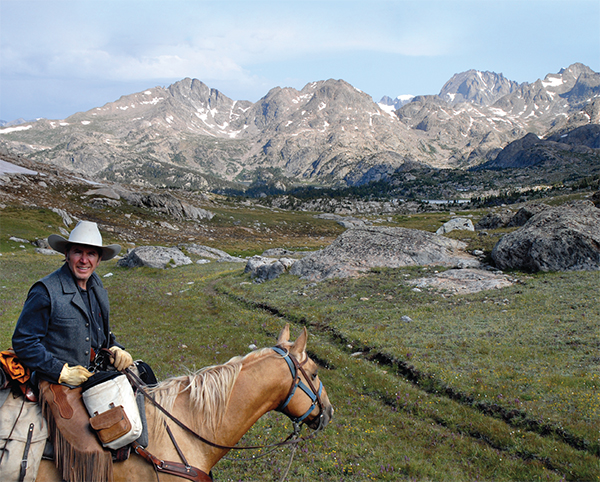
[{"x": 15, "y": 129}]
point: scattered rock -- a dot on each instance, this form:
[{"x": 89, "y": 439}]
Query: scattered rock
[
  {"x": 18, "y": 240},
  {"x": 596, "y": 199},
  {"x": 525, "y": 213},
  {"x": 47, "y": 252},
  {"x": 42, "y": 243},
  {"x": 463, "y": 224},
  {"x": 495, "y": 220},
  {"x": 154, "y": 257},
  {"x": 211, "y": 253},
  {"x": 360, "y": 249},
  {"x": 102, "y": 201},
  {"x": 263, "y": 269},
  {"x": 66, "y": 218},
  {"x": 345, "y": 221},
  {"x": 463, "y": 281},
  {"x": 103, "y": 192},
  {"x": 168, "y": 204},
  {"x": 559, "y": 238},
  {"x": 166, "y": 225},
  {"x": 284, "y": 253}
]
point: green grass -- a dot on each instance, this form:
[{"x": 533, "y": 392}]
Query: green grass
[{"x": 500, "y": 385}]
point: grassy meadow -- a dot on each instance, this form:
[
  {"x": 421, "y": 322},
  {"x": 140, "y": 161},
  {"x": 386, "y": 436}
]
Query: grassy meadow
[{"x": 500, "y": 385}]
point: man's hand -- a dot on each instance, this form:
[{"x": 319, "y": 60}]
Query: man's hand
[
  {"x": 120, "y": 359},
  {"x": 74, "y": 376}
]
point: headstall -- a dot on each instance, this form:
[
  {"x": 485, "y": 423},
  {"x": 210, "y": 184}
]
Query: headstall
[{"x": 315, "y": 395}]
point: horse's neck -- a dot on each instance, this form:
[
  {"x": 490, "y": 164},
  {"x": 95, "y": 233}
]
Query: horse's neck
[
  {"x": 258, "y": 390},
  {"x": 260, "y": 387}
]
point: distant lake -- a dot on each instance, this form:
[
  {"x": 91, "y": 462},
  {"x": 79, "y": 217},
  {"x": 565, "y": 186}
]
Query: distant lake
[{"x": 445, "y": 201}]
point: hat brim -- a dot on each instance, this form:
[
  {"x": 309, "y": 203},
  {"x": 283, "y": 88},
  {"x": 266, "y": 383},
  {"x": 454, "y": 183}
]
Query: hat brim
[{"x": 58, "y": 243}]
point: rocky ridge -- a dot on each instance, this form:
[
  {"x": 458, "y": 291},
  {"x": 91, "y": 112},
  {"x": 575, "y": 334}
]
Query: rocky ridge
[{"x": 189, "y": 135}]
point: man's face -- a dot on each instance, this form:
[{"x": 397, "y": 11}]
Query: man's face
[{"x": 82, "y": 260}]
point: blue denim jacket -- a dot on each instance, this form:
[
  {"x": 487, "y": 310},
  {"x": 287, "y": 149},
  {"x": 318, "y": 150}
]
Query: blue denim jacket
[{"x": 54, "y": 327}]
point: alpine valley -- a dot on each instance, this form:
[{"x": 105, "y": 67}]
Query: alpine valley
[{"x": 329, "y": 134}]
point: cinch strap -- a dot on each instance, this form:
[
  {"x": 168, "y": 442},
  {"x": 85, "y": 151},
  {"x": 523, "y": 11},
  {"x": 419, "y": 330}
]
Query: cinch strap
[{"x": 26, "y": 452}]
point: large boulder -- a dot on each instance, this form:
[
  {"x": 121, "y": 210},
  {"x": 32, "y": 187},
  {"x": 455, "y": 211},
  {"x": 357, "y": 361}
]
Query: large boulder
[
  {"x": 495, "y": 220},
  {"x": 360, "y": 249},
  {"x": 262, "y": 268},
  {"x": 559, "y": 238},
  {"x": 525, "y": 213},
  {"x": 463, "y": 224},
  {"x": 154, "y": 257}
]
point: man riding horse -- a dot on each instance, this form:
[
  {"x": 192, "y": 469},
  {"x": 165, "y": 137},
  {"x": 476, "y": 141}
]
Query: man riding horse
[{"x": 63, "y": 326}]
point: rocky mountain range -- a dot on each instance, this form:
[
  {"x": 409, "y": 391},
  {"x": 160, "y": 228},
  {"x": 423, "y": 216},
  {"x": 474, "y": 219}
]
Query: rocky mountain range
[{"x": 329, "y": 133}]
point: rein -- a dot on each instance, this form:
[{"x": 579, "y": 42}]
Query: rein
[{"x": 295, "y": 367}]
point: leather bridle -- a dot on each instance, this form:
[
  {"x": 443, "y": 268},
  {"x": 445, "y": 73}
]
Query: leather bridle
[{"x": 315, "y": 395}]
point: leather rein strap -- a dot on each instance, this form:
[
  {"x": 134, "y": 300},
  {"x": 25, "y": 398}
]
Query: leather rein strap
[{"x": 172, "y": 468}]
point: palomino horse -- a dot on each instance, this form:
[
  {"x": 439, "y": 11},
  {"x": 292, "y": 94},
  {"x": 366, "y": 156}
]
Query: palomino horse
[{"x": 221, "y": 403}]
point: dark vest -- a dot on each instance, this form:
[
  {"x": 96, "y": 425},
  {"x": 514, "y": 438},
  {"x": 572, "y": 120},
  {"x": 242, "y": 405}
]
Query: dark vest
[{"x": 69, "y": 332}]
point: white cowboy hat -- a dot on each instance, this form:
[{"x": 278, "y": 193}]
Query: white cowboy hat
[{"x": 87, "y": 233}]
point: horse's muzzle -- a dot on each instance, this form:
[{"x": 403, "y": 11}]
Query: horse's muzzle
[{"x": 319, "y": 423}]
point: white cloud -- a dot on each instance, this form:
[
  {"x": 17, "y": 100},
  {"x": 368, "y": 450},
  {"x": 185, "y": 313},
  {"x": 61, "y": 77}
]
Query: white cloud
[{"x": 204, "y": 41}]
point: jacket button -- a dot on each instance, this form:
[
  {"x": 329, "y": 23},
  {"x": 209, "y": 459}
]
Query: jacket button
[
  {"x": 87, "y": 352},
  {"x": 87, "y": 324},
  {"x": 87, "y": 338}
]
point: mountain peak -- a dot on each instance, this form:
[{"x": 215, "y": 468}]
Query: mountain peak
[
  {"x": 387, "y": 102},
  {"x": 477, "y": 87}
]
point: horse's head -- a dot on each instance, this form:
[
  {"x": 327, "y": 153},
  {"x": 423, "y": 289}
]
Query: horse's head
[{"x": 307, "y": 399}]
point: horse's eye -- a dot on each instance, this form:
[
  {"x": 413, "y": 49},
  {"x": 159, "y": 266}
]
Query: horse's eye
[{"x": 314, "y": 376}]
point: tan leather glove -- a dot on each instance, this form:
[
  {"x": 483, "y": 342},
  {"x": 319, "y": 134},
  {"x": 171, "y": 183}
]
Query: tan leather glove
[
  {"x": 120, "y": 359},
  {"x": 74, "y": 376}
]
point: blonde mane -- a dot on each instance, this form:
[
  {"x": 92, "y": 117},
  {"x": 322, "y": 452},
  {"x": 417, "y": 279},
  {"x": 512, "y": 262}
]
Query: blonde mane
[{"x": 209, "y": 393}]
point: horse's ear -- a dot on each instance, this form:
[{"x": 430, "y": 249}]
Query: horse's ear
[
  {"x": 299, "y": 345},
  {"x": 284, "y": 336}
]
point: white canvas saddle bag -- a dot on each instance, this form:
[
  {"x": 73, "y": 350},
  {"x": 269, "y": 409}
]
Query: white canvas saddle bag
[{"x": 114, "y": 412}]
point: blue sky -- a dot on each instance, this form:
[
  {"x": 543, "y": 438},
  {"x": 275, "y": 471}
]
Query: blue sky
[{"x": 58, "y": 57}]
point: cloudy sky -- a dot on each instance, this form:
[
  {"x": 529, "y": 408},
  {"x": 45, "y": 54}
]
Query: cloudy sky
[{"x": 58, "y": 57}]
